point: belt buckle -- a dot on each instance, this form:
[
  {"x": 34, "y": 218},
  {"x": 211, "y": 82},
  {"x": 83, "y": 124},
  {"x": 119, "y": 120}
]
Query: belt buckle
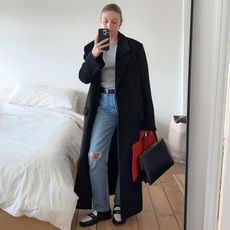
[{"x": 111, "y": 91}]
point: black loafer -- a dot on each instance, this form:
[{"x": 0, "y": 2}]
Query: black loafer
[
  {"x": 94, "y": 217},
  {"x": 117, "y": 216}
]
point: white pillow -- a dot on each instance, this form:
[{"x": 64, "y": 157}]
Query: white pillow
[{"x": 43, "y": 96}]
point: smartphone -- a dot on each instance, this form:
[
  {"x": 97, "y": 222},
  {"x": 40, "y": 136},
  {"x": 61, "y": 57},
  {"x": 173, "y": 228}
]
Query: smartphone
[{"x": 103, "y": 34}]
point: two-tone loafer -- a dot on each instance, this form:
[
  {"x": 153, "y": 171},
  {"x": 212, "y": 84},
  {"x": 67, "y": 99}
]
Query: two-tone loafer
[
  {"x": 117, "y": 220},
  {"x": 94, "y": 217}
]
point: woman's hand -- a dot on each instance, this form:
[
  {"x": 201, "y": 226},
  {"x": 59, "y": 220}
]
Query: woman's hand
[
  {"x": 147, "y": 132},
  {"x": 99, "y": 46}
]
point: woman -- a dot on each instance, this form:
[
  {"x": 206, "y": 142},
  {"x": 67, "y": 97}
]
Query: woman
[{"x": 118, "y": 106}]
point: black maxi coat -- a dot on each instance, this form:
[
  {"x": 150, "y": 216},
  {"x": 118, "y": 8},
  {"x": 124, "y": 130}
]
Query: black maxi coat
[{"x": 135, "y": 113}]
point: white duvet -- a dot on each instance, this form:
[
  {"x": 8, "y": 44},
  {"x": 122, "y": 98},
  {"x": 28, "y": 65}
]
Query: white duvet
[{"x": 38, "y": 148}]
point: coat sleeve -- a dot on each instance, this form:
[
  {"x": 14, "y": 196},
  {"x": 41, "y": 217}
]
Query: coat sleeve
[
  {"x": 90, "y": 67},
  {"x": 148, "y": 122}
]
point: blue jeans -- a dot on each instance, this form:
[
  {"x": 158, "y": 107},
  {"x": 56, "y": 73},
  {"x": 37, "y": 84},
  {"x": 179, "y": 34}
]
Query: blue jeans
[{"x": 102, "y": 132}]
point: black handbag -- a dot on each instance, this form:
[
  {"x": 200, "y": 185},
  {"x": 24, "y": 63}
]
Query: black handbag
[{"x": 155, "y": 161}]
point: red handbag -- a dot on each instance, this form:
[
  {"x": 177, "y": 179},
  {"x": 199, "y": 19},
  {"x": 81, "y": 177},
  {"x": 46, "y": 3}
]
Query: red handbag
[{"x": 139, "y": 147}]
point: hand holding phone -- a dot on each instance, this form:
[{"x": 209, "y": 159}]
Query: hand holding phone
[
  {"x": 101, "y": 42},
  {"x": 103, "y": 34}
]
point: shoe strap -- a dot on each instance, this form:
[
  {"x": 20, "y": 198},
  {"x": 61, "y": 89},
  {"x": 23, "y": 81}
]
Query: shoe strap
[
  {"x": 92, "y": 215},
  {"x": 116, "y": 209},
  {"x": 117, "y": 212}
]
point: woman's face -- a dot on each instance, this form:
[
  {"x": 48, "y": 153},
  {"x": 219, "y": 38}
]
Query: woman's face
[{"x": 112, "y": 21}]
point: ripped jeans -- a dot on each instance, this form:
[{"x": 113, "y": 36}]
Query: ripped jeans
[{"x": 102, "y": 132}]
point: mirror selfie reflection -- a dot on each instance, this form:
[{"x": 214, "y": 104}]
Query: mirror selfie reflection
[
  {"x": 93, "y": 114},
  {"x": 119, "y": 106},
  {"x": 120, "y": 130}
]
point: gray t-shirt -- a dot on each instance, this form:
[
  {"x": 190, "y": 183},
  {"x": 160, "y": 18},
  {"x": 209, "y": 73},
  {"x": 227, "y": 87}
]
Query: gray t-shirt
[{"x": 108, "y": 71}]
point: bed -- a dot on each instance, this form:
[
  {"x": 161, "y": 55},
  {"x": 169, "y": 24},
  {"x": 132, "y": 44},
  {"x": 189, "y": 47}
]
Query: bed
[{"x": 40, "y": 137}]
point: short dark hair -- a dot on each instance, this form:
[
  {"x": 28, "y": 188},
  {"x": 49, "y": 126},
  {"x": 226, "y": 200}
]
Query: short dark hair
[{"x": 113, "y": 7}]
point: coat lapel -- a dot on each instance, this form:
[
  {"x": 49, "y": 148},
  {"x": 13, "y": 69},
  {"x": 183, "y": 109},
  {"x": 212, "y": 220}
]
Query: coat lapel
[{"x": 122, "y": 57}]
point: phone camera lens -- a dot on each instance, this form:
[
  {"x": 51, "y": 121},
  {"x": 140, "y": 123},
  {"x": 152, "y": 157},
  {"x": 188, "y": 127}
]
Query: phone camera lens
[{"x": 105, "y": 32}]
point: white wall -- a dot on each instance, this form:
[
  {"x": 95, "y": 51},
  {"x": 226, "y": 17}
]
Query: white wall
[{"x": 42, "y": 41}]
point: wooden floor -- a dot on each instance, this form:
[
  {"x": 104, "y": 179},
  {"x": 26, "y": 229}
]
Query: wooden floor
[{"x": 163, "y": 206}]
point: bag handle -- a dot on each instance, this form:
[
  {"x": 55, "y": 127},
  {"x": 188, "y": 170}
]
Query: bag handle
[{"x": 144, "y": 136}]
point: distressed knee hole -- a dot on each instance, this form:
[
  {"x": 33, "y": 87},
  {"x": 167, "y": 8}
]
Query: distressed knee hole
[{"x": 94, "y": 155}]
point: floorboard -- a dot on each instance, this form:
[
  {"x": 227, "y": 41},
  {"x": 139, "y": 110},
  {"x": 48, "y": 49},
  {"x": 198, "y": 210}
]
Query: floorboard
[{"x": 163, "y": 205}]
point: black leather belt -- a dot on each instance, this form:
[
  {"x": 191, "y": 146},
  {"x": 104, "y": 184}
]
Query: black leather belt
[{"x": 107, "y": 91}]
